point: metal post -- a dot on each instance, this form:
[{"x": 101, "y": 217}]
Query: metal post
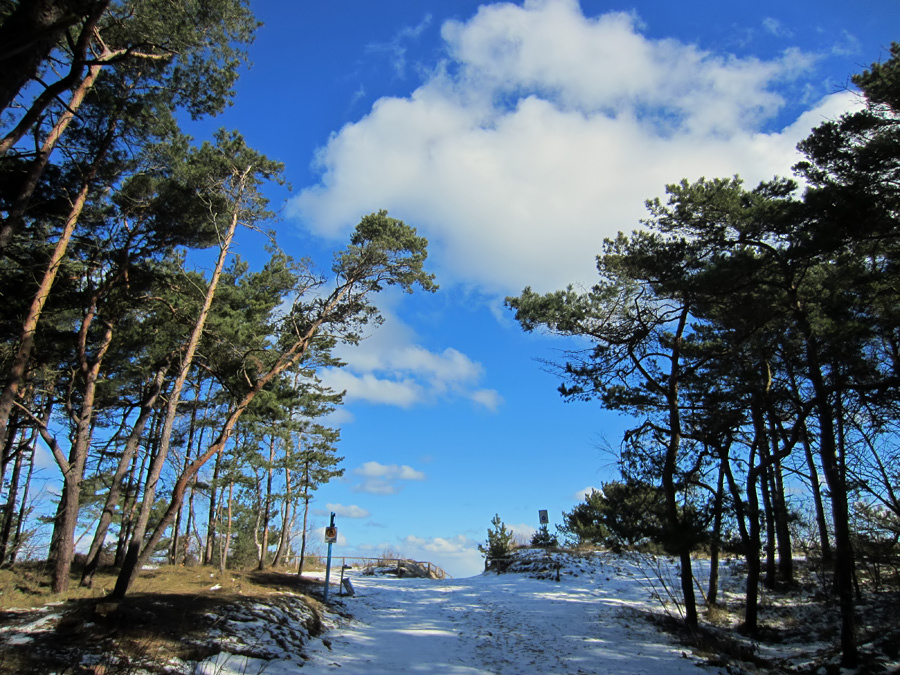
[{"x": 328, "y": 565}]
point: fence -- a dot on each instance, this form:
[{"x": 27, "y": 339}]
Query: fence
[{"x": 355, "y": 562}]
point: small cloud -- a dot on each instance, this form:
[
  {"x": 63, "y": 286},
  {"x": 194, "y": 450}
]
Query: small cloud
[
  {"x": 487, "y": 398},
  {"x": 351, "y": 511},
  {"x": 382, "y": 479},
  {"x": 776, "y": 28},
  {"x": 582, "y": 494},
  {"x": 849, "y": 46},
  {"x": 521, "y": 530}
]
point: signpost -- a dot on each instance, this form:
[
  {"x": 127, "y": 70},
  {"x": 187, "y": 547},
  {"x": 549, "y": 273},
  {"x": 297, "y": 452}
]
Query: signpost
[
  {"x": 330, "y": 538},
  {"x": 544, "y": 518}
]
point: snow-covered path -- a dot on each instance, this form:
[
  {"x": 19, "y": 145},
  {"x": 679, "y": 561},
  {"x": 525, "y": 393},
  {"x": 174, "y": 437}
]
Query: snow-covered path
[{"x": 506, "y": 624}]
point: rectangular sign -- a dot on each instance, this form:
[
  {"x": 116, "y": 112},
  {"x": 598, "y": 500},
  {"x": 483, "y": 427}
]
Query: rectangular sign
[
  {"x": 542, "y": 514},
  {"x": 330, "y": 535}
]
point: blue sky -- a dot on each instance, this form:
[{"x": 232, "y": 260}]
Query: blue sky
[{"x": 515, "y": 137}]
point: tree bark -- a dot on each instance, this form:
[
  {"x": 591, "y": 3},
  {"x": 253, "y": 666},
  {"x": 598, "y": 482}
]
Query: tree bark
[{"x": 67, "y": 516}]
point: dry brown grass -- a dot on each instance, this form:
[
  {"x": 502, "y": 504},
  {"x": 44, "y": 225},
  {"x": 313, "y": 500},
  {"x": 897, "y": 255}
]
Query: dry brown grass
[{"x": 168, "y": 613}]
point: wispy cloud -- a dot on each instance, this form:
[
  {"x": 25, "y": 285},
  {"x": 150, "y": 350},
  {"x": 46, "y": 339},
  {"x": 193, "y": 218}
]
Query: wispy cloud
[
  {"x": 396, "y": 48},
  {"x": 391, "y": 368},
  {"x": 776, "y": 28}
]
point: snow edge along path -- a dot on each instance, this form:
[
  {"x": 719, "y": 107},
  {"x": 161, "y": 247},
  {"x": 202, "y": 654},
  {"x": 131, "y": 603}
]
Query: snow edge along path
[{"x": 502, "y": 624}]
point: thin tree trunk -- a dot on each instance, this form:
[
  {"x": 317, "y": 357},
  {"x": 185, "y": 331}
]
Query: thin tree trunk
[
  {"x": 287, "y": 514},
  {"x": 675, "y": 522},
  {"x": 769, "y": 517},
  {"x": 225, "y": 542},
  {"x": 135, "y": 480},
  {"x": 9, "y": 512},
  {"x": 782, "y": 527},
  {"x": 268, "y": 505},
  {"x": 843, "y": 549},
  {"x": 713, "y": 589},
  {"x": 212, "y": 515},
  {"x": 23, "y": 507},
  {"x": 303, "y": 534}
]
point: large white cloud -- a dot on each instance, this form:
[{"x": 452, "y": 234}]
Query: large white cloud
[{"x": 544, "y": 132}]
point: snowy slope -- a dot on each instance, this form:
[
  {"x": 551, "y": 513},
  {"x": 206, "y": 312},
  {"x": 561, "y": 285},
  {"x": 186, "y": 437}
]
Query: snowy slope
[{"x": 588, "y": 622}]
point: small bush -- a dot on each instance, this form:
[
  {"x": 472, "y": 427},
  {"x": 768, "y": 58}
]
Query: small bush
[
  {"x": 498, "y": 546},
  {"x": 543, "y": 539}
]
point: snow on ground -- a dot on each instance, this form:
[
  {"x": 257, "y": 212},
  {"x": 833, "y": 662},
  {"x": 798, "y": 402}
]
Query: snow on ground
[{"x": 514, "y": 623}]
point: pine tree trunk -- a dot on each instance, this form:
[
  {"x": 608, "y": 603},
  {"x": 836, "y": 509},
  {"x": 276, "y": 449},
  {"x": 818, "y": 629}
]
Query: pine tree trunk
[
  {"x": 287, "y": 516},
  {"x": 713, "y": 589},
  {"x": 211, "y": 520},
  {"x": 268, "y": 506},
  {"x": 782, "y": 528},
  {"x": 67, "y": 516},
  {"x": 769, "y": 518},
  {"x": 303, "y": 534},
  {"x": 225, "y": 542}
]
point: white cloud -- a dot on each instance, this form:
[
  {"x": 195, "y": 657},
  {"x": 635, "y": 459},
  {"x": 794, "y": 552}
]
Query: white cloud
[
  {"x": 383, "y": 479},
  {"x": 543, "y": 133},
  {"x": 521, "y": 530},
  {"x": 351, "y": 511},
  {"x": 580, "y": 495},
  {"x": 457, "y": 555},
  {"x": 390, "y": 368}
]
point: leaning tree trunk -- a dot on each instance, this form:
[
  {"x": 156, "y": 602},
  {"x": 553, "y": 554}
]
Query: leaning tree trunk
[{"x": 125, "y": 462}]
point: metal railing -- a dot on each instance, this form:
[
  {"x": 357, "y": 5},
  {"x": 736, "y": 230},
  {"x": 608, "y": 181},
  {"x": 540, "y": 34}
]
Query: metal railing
[{"x": 355, "y": 562}]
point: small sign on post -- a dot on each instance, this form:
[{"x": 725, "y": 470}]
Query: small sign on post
[
  {"x": 544, "y": 518},
  {"x": 330, "y": 538}
]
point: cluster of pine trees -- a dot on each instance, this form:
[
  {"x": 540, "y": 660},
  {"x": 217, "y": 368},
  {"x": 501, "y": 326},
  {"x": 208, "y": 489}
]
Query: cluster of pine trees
[
  {"x": 755, "y": 333},
  {"x": 175, "y": 387}
]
